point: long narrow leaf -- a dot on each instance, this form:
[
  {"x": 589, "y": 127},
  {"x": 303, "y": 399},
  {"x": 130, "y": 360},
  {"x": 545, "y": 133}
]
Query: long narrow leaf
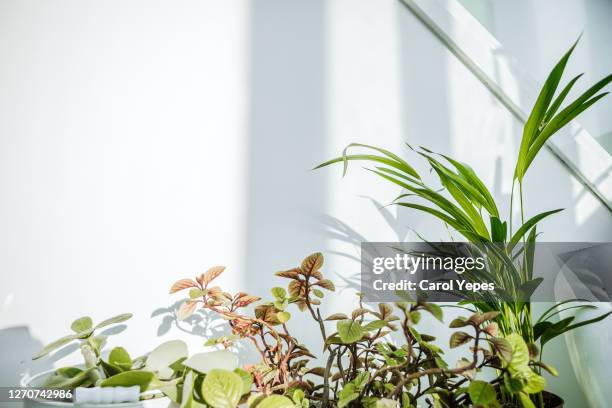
[
  {"x": 559, "y": 99},
  {"x": 472, "y": 237},
  {"x": 550, "y": 309},
  {"x": 470, "y": 177},
  {"x": 539, "y": 109},
  {"x": 468, "y": 190},
  {"x": 562, "y": 119},
  {"x": 439, "y": 200},
  {"x": 363, "y": 157},
  {"x": 401, "y": 162},
  {"x": 528, "y": 225}
]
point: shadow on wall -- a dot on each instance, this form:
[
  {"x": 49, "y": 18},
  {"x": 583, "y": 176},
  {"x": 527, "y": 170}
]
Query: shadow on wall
[
  {"x": 17, "y": 346},
  {"x": 204, "y": 324},
  {"x": 286, "y": 137}
]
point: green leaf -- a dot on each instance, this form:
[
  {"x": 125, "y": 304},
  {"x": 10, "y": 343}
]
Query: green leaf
[
  {"x": 473, "y": 180},
  {"x": 559, "y": 99},
  {"x": 554, "y": 329},
  {"x": 97, "y": 342},
  {"x": 534, "y": 383},
  {"x": 526, "y": 289},
  {"x": 347, "y": 394},
  {"x": 54, "y": 346},
  {"x": 459, "y": 338},
  {"x": 520, "y": 352},
  {"x": 130, "y": 378},
  {"x": 538, "y": 112},
  {"x": 275, "y": 401},
  {"x": 401, "y": 164},
  {"x": 374, "y": 325},
  {"x": 279, "y": 293},
  {"x": 195, "y": 293},
  {"x": 298, "y": 396},
  {"x": 283, "y": 317},
  {"x": 364, "y": 157},
  {"x": 565, "y": 116},
  {"x": 318, "y": 293},
  {"x": 120, "y": 357},
  {"x": 558, "y": 329},
  {"x": 349, "y": 331},
  {"x": 114, "y": 320},
  {"x": 213, "y": 360},
  {"x": 281, "y": 304},
  {"x": 82, "y": 324},
  {"x": 337, "y": 316},
  {"x": 499, "y": 230},
  {"x": 67, "y": 378},
  {"x": 110, "y": 369},
  {"x": 247, "y": 380},
  {"x": 473, "y": 237},
  {"x": 435, "y": 310},
  {"x": 528, "y": 225},
  {"x": 163, "y": 356},
  {"x": 459, "y": 322},
  {"x": 481, "y": 393},
  {"x": 525, "y": 401},
  {"x": 222, "y": 388}
]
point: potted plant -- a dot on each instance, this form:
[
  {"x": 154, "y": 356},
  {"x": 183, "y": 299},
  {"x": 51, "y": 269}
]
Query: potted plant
[
  {"x": 373, "y": 357},
  {"x": 468, "y": 207},
  {"x": 104, "y": 380}
]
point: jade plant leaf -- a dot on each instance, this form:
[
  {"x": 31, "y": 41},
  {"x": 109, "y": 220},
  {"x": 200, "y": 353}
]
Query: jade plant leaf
[
  {"x": 114, "y": 320},
  {"x": 222, "y": 388},
  {"x": 82, "y": 324},
  {"x": 163, "y": 356},
  {"x": 130, "y": 378},
  {"x": 120, "y": 357},
  {"x": 206, "y": 362},
  {"x": 67, "y": 378},
  {"x": 54, "y": 346},
  {"x": 349, "y": 331}
]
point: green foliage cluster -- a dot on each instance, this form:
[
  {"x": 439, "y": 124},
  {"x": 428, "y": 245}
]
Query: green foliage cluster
[
  {"x": 373, "y": 357},
  {"x": 462, "y": 202},
  {"x": 117, "y": 370}
]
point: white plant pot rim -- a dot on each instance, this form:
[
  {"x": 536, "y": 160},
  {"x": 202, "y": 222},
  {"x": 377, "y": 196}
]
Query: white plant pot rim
[{"x": 28, "y": 380}]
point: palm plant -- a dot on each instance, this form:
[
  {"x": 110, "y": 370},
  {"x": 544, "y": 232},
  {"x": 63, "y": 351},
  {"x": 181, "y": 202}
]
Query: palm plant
[{"x": 468, "y": 207}]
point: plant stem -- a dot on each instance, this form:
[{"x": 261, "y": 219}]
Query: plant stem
[{"x": 91, "y": 363}]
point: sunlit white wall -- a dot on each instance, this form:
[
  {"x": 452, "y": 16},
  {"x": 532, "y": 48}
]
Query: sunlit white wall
[
  {"x": 122, "y": 134},
  {"x": 144, "y": 143}
]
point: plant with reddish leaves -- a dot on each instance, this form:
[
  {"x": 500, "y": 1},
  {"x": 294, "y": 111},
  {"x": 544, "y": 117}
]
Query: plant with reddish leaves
[
  {"x": 283, "y": 358},
  {"x": 363, "y": 366}
]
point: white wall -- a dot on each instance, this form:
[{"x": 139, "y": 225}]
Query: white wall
[
  {"x": 142, "y": 144},
  {"x": 122, "y": 142}
]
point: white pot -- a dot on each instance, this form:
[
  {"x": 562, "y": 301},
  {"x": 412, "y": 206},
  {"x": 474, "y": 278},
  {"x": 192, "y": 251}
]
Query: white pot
[{"x": 39, "y": 379}]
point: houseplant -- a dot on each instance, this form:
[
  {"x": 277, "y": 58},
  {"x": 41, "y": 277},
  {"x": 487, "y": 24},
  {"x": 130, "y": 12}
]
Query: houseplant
[
  {"x": 468, "y": 207},
  {"x": 106, "y": 371},
  {"x": 362, "y": 365}
]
